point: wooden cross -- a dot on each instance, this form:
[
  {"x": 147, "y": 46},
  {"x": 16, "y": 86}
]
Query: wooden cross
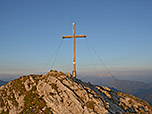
[{"x": 74, "y": 36}]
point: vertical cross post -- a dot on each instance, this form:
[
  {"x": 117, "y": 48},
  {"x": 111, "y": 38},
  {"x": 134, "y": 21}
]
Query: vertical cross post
[
  {"x": 74, "y": 60},
  {"x": 74, "y": 67}
]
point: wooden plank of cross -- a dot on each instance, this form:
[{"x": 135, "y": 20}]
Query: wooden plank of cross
[{"x": 74, "y": 36}]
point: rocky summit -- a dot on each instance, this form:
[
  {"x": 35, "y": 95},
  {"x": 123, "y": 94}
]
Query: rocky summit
[{"x": 59, "y": 93}]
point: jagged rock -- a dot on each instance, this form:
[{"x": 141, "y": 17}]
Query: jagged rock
[
  {"x": 68, "y": 74},
  {"x": 59, "y": 93}
]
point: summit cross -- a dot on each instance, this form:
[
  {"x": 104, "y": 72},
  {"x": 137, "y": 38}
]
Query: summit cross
[{"x": 74, "y": 36}]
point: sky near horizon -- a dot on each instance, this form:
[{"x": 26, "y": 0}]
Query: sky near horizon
[{"x": 120, "y": 31}]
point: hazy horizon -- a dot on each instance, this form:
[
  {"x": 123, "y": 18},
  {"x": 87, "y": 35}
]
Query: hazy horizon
[{"x": 141, "y": 76}]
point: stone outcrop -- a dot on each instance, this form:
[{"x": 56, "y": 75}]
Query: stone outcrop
[{"x": 59, "y": 93}]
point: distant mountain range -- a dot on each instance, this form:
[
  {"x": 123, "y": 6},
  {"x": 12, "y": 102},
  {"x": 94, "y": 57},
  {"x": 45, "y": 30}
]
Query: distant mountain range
[
  {"x": 139, "y": 89},
  {"x": 2, "y": 82}
]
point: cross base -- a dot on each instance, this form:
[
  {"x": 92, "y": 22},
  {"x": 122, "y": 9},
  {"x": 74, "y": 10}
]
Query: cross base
[{"x": 73, "y": 74}]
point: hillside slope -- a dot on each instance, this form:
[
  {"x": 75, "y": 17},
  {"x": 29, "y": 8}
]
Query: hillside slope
[{"x": 57, "y": 93}]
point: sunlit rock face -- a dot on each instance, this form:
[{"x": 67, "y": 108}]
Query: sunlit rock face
[{"x": 59, "y": 93}]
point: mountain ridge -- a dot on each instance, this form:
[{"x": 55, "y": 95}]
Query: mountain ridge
[
  {"x": 59, "y": 93},
  {"x": 139, "y": 89}
]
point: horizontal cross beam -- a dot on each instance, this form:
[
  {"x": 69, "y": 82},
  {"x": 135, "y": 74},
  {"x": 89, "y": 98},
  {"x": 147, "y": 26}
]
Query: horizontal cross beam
[{"x": 76, "y": 36}]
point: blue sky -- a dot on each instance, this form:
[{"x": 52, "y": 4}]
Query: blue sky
[{"x": 119, "y": 30}]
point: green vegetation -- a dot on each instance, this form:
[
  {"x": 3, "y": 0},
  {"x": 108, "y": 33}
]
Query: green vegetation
[
  {"x": 54, "y": 86},
  {"x": 34, "y": 88},
  {"x": 2, "y": 101},
  {"x": 18, "y": 86},
  {"x": 130, "y": 101},
  {"x": 36, "y": 78},
  {"x": 61, "y": 73},
  {"x": 48, "y": 111},
  {"x": 2, "y": 104},
  {"x": 33, "y": 102},
  {"x": 23, "y": 78},
  {"x": 90, "y": 104},
  {"x": 81, "y": 98},
  {"x": 119, "y": 93},
  {"x": 3, "y": 112},
  {"x": 76, "y": 89},
  {"x": 91, "y": 91},
  {"x": 30, "y": 99},
  {"x": 12, "y": 98},
  {"x": 55, "y": 73}
]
